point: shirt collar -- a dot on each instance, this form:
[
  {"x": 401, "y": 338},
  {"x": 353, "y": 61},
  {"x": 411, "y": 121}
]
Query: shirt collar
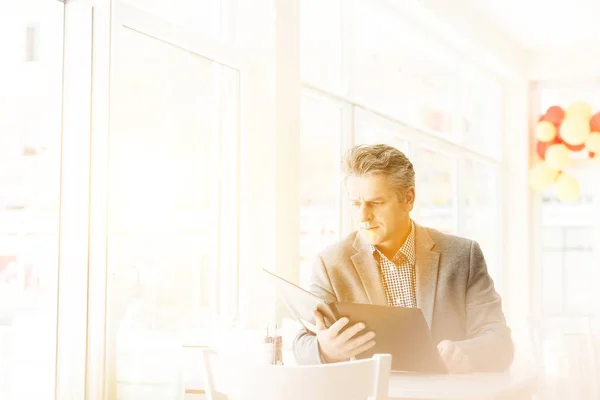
[{"x": 407, "y": 248}]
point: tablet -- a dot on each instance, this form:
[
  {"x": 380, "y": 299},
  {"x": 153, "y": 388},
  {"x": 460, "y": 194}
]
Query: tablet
[{"x": 399, "y": 331}]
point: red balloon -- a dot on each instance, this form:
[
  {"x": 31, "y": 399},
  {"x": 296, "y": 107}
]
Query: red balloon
[
  {"x": 595, "y": 122},
  {"x": 555, "y": 114},
  {"x": 579, "y": 147},
  {"x": 541, "y": 147}
]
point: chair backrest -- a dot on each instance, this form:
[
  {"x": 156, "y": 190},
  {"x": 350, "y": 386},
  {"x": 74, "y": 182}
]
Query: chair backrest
[
  {"x": 565, "y": 356},
  {"x": 353, "y": 380}
]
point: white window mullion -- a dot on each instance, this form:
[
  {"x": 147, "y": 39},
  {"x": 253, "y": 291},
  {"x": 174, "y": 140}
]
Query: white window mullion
[
  {"x": 347, "y": 45},
  {"x": 287, "y": 141},
  {"x": 220, "y": 256},
  {"x": 458, "y": 185},
  {"x": 346, "y": 143},
  {"x": 74, "y": 204},
  {"x": 229, "y": 170},
  {"x": 96, "y": 323}
]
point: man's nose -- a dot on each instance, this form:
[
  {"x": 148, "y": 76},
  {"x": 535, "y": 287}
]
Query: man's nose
[{"x": 365, "y": 213}]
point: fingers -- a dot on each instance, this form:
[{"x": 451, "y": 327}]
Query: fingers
[
  {"x": 362, "y": 339},
  {"x": 336, "y": 345},
  {"x": 350, "y": 332},
  {"x": 454, "y": 357},
  {"x": 338, "y": 326},
  {"x": 319, "y": 320},
  {"x": 363, "y": 348}
]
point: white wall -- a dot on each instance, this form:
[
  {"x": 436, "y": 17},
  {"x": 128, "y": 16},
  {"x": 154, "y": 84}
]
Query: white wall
[{"x": 576, "y": 64}]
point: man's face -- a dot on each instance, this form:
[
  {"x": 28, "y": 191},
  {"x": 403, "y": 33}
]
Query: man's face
[{"x": 381, "y": 212}]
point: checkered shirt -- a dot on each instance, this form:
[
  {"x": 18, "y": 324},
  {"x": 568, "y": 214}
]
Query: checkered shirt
[{"x": 398, "y": 275}]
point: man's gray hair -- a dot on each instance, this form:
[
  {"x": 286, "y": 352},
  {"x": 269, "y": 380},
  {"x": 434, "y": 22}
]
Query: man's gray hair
[{"x": 364, "y": 160}]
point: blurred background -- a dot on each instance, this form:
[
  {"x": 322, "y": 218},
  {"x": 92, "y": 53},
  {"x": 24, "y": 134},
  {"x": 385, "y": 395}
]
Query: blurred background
[{"x": 155, "y": 156}]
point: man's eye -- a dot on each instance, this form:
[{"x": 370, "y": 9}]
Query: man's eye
[
  {"x": 377, "y": 203},
  {"x": 356, "y": 204}
]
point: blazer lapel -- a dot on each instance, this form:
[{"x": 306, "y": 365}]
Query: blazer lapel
[
  {"x": 369, "y": 272},
  {"x": 427, "y": 266}
]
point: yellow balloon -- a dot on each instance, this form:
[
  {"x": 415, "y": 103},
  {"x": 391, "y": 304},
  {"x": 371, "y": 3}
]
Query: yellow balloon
[
  {"x": 567, "y": 188},
  {"x": 579, "y": 109},
  {"x": 592, "y": 143},
  {"x": 541, "y": 176},
  {"x": 545, "y": 131},
  {"x": 575, "y": 130},
  {"x": 557, "y": 157}
]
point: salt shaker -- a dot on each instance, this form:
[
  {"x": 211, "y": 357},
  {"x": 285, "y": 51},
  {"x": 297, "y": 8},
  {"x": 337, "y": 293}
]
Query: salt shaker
[{"x": 273, "y": 344}]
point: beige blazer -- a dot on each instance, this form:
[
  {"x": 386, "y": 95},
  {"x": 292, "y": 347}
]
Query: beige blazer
[{"x": 454, "y": 291}]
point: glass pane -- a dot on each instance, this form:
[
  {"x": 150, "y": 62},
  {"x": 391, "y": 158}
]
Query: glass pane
[
  {"x": 552, "y": 281},
  {"x": 481, "y": 113},
  {"x": 372, "y": 129},
  {"x": 164, "y": 225},
  {"x": 321, "y": 43},
  {"x": 202, "y": 16},
  {"x": 30, "y": 157},
  {"x": 320, "y": 138},
  {"x": 480, "y": 189},
  {"x": 552, "y": 238},
  {"x": 396, "y": 71},
  {"x": 581, "y": 294},
  {"x": 435, "y": 186},
  {"x": 579, "y": 238},
  {"x": 565, "y": 95}
]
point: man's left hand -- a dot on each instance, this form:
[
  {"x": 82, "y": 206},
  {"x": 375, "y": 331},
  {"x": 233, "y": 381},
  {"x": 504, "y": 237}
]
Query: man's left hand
[{"x": 456, "y": 360}]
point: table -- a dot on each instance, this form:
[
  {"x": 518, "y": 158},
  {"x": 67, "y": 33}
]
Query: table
[
  {"x": 461, "y": 386},
  {"x": 520, "y": 384}
]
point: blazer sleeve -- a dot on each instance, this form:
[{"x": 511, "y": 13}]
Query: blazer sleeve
[
  {"x": 305, "y": 345},
  {"x": 488, "y": 344}
]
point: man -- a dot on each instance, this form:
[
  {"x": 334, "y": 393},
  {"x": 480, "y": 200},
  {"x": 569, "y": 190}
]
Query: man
[{"x": 393, "y": 261}]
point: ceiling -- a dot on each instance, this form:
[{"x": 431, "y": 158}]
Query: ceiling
[{"x": 543, "y": 24}]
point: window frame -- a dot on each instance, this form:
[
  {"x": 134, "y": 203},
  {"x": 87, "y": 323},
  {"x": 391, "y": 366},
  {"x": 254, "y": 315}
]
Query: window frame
[
  {"x": 536, "y": 200},
  {"x": 84, "y": 357}
]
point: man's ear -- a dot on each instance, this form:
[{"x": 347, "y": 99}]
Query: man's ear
[{"x": 409, "y": 197}]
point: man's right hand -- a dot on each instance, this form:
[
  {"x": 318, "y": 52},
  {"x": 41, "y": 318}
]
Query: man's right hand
[{"x": 335, "y": 345}]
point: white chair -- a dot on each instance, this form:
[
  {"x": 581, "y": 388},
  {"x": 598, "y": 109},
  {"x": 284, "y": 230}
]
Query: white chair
[
  {"x": 565, "y": 357},
  {"x": 353, "y": 380}
]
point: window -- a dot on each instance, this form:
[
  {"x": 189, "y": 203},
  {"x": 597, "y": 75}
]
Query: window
[
  {"x": 206, "y": 17},
  {"x": 409, "y": 90},
  {"x": 172, "y": 204},
  {"x": 567, "y": 265},
  {"x": 436, "y": 175},
  {"x": 321, "y": 43},
  {"x": 567, "y": 257},
  {"x": 321, "y": 130},
  {"x": 480, "y": 120},
  {"x": 30, "y": 161},
  {"x": 568, "y": 232},
  {"x": 479, "y": 208},
  {"x": 398, "y": 72},
  {"x": 370, "y": 128}
]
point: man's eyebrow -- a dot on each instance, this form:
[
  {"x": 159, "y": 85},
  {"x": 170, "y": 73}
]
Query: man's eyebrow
[{"x": 378, "y": 198}]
